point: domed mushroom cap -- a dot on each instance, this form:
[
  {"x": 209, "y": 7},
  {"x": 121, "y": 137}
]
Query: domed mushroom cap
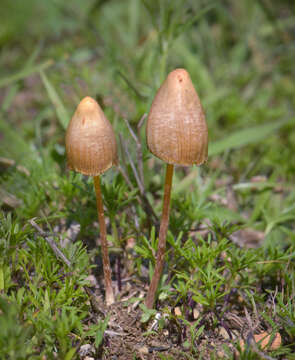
[
  {"x": 176, "y": 127},
  {"x": 90, "y": 140}
]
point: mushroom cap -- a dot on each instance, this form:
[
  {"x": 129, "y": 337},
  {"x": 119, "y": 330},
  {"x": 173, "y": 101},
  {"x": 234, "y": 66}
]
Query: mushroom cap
[
  {"x": 90, "y": 140},
  {"x": 176, "y": 127}
]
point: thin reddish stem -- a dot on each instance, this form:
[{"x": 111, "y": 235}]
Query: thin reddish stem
[
  {"x": 150, "y": 298},
  {"x": 104, "y": 245}
]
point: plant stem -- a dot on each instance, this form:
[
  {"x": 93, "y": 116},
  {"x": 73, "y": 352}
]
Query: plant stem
[
  {"x": 104, "y": 245},
  {"x": 150, "y": 298},
  {"x": 115, "y": 233}
]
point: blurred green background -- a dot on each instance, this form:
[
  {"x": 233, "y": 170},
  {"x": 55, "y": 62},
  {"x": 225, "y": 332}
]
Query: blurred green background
[{"x": 240, "y": 56}]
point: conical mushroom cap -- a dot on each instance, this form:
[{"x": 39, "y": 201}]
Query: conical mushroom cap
[
  {"x": 90, "y": 140},
  {"x": 176, "y": 127}
]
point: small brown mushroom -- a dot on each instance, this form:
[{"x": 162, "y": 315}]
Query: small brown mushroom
[
  {"x": 91, "y": 150},
  {"x": 177, "y": 134}
]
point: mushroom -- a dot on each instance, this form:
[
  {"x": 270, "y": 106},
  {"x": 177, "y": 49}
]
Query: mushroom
[
  {"x": 91, "y": 150},
  {"x": 177, "y": 133}
]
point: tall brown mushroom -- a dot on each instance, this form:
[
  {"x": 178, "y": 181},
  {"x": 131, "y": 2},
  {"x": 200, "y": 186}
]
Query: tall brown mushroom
[
  {"x": 91, "y": 150},
  {"x": 177, "y": 133}
]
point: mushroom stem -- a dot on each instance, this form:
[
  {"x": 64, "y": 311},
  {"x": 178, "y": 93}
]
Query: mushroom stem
[
  {"x": 162, "y": 239},
  {"x": 104, "y": 245}
]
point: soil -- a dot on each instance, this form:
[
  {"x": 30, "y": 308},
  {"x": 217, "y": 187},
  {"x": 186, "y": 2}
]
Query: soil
[{"x": 127, "y": 337}]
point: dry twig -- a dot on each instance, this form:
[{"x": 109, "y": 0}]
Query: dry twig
[{"x": 50, "y": 242}]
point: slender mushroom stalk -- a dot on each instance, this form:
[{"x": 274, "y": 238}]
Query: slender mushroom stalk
[
  {"x": 91, "y": 150},
  {"x": 176, "y": 133},
  {"x": 104, "y": 244}
]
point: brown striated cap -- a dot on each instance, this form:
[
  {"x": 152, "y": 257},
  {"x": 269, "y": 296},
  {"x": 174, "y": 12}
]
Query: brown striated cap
[
  {"x": 176, "y": 127},
  {"x": 90, "y": 140}
]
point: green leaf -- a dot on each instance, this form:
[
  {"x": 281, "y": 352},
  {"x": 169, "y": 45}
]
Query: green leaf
[
  {"x": 246, "y": 136},
  {"x": 46, "y": 301},
  {"x": 100, "y": 332},
  {"x": 60, "y": 109},
  {"x": 70, "y": 354},
  {"x": 147, "y": 313},
  {"x": 198, "y": 298}
]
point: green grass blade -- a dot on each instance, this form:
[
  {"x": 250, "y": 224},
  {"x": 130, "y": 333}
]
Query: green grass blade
[
  {"x": 27, "y": 71},
  {"x": 60, "y": 109},
  {"x": 246, "y": 136},
  {"x": 9, "y": 96}
]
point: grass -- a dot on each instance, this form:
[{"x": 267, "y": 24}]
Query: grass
[{"x": 231, "y": 243}]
